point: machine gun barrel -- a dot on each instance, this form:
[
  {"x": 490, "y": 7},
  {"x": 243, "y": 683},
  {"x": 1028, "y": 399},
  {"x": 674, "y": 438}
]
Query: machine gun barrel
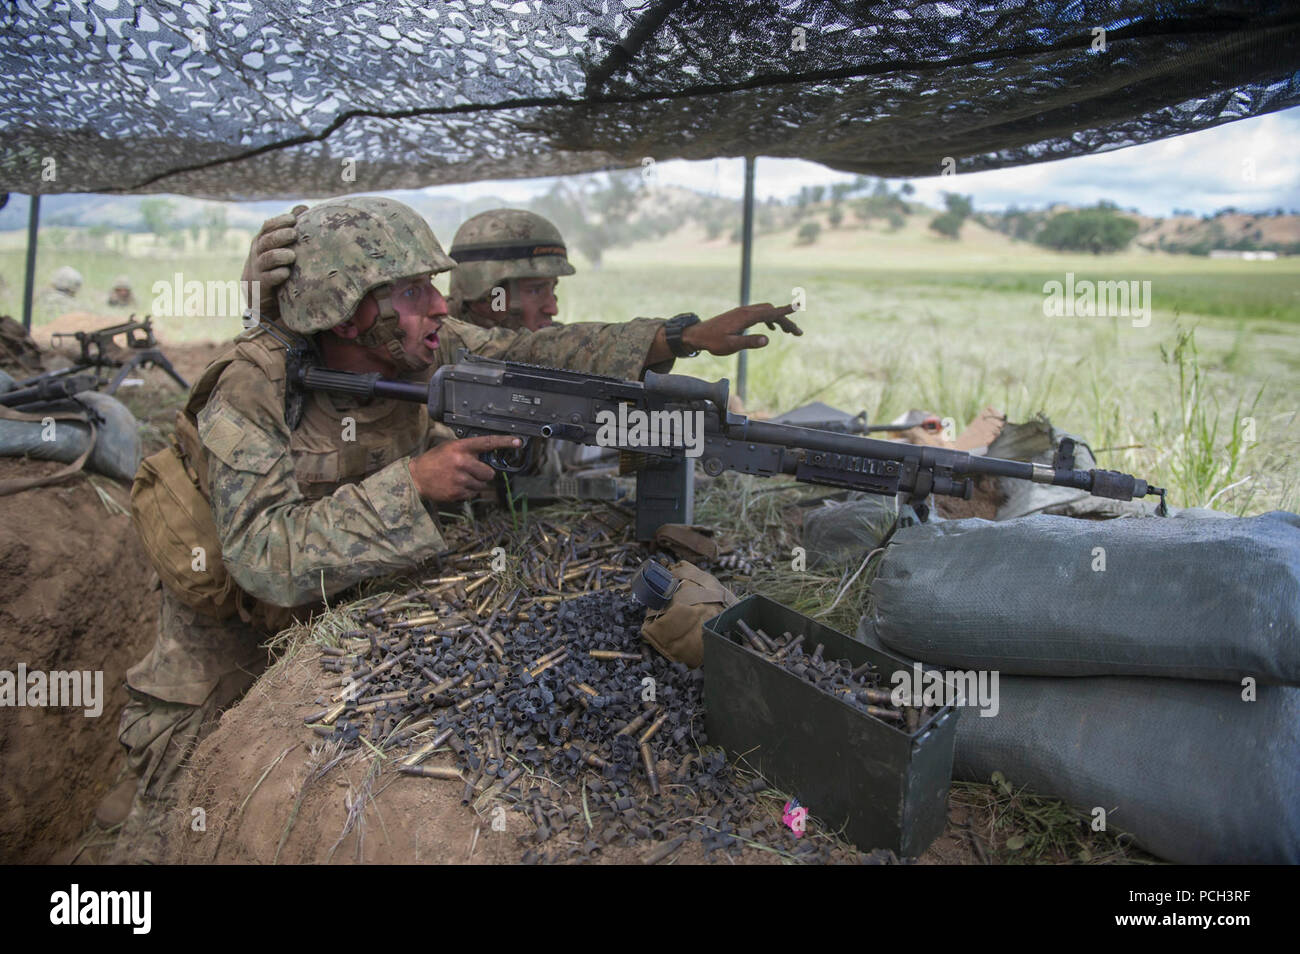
[
  {"x": 48, "y": 389},
  {"x": 490, "y": 396}
]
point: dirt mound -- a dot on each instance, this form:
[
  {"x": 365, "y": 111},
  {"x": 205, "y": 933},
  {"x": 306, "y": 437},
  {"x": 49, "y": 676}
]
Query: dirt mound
[
  {"x": 261, "y": 789},
  {"x": 76, "y": 594},
  {"x": 263, "y": 797}
]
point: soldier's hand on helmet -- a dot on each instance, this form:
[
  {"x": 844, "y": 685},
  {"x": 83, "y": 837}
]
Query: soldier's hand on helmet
[
  {"x": 269, "y": 258},
  {"x": 724, "y": 334},
  {"x": 452, "y": 472}
]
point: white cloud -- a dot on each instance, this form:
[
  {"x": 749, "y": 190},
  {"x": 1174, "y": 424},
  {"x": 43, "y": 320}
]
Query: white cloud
[{"x": 1202, "y": 171}]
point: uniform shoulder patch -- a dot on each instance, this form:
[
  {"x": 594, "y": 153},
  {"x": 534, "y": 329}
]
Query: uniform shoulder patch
[{"x": 236, "y": 441}]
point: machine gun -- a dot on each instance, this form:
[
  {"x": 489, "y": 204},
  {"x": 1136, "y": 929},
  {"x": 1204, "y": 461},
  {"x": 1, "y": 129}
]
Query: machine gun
[
  {"x": 481, "y": 396},
  {"x": 47, "y": 391},
  {"x": 98, "y": 352}
]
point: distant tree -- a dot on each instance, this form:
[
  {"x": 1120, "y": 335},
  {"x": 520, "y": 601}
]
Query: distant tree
[
  {"x": 195, "y": 231},
  {"x": 808, "y": 233},
  {"x": 908, "y": 189},
  {"x": 836, "y": 216},
  {"x": 895, "y": 220},
  {"x": 157, "y": 215},
  {"x": 958, "y": 210},
  {"x": 1098, "y": 230},
  {"x": 99, "y": 233},
  {"x": 214, "y": 219},
  {"x": 817, "y": 193},
  {"x": 947, "y": 223},
  {"x": 957, "y": 204}
]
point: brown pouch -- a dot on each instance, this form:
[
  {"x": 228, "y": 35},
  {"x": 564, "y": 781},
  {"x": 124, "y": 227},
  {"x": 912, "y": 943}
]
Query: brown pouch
[
  {"x": 172, "y": 517},
  {"x": 677, "y": 630},
  {"x": 683, "y": 539}
]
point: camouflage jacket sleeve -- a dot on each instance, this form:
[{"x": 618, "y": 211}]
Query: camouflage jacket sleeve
[
  {"x": 279, "y": 546},
  {"x": 617, "y": 349}
]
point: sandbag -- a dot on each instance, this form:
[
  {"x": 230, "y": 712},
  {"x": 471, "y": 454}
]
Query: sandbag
[
  {"x": 1193, "y": 772},
  {"x": 839, "y": 533},
  {"x": 117, "y": 442},
  {"x": 1037, "y": 441},
  {"x": 1184, "y": 598}
]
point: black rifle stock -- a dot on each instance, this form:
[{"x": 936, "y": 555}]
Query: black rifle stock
[{"x": 478, "y": 396}]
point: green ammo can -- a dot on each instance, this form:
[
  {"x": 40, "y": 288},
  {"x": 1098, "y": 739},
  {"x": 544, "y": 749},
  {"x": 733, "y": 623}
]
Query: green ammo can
[{"x": 885, "y": 787}]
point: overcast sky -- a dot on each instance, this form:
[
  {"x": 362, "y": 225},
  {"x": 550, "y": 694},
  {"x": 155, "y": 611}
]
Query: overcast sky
[{"x": 1250, "y": 164}]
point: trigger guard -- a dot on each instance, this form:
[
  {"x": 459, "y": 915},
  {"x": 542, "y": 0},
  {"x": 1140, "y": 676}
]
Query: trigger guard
[{"x": 499, "y": 460}]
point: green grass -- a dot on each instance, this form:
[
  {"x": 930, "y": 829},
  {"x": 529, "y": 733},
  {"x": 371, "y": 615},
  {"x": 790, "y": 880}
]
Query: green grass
[{"x": 905, "y": 320}]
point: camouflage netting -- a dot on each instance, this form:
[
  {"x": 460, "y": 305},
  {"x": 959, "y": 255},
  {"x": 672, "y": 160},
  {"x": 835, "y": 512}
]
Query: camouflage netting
[{"x": 233, "y": 99}]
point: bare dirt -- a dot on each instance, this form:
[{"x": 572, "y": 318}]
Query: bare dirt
[
  {"x": 76, "y": 593},
  {"x": 253, "y": 796}
]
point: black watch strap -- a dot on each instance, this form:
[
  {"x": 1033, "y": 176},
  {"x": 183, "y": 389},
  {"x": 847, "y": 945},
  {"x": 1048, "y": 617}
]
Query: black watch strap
[{"x": 673, "y": 329}]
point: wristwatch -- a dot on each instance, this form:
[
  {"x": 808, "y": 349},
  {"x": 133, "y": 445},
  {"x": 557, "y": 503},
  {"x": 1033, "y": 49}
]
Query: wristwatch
[{"x": 673, "y": 329}]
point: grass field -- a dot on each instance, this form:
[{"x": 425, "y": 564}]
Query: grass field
[
  {"x": 908, "y": 319},
  {"x": 1202, "y": 400}
]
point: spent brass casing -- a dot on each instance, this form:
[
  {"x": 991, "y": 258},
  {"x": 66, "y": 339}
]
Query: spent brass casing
[
  {"x": 634, "y": 725},
  {"x": 648, "y": 760},
  {"x": 650, "y": 732},
  {"x": 893, "y": 715},
  {"x": 431, "y": 771},
  {"x": 790, "y": 647}
]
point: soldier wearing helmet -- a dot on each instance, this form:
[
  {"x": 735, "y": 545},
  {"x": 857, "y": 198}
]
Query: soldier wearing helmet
[
  {"x": 305, "y": 500},
  {"x": 120, "y": 296},
  {"x": 66, "y": 280},
  {"x": 509, "y": 262}
]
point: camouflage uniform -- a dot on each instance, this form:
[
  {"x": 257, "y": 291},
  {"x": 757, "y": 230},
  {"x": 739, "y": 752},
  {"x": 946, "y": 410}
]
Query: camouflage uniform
[
  {"x": 495, "y": 248},
  {"x": 301, "y": 513},
  {"x": 499, "y": 246}
]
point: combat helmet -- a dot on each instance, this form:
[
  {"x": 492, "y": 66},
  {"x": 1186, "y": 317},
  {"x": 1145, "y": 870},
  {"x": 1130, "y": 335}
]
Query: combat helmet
[
  {"x": 67, "y": 280},
  {"x": 348, "y": 248},
  {"x": 494, "y": 247}
]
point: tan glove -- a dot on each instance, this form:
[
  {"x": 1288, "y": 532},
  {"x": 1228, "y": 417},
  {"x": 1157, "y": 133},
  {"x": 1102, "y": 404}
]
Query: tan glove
[
  {"x": 677, "y": 630},
  {"x": 269, "y": 258}
]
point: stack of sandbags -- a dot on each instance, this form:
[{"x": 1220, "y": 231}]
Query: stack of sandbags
[{"x": 1146, "y": 666}]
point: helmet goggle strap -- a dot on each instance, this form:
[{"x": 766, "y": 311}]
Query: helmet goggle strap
[{"x": 386, "y": 333}]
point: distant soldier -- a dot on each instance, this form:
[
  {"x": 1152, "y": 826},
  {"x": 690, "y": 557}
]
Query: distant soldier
[
  {"x": 65, "y": 284},
  {"x": 508, "y": 264},
  {"x": 66, "y": 281},
  {"x": 120, "y": 296}
]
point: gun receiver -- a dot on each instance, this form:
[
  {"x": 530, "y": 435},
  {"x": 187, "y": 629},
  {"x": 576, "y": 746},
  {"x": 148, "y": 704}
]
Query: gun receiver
[{"x": 479, "y": 395}]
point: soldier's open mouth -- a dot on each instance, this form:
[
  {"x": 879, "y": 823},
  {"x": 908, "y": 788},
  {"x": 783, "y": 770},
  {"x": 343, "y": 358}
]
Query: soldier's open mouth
[{"x": 431, "y": 341}]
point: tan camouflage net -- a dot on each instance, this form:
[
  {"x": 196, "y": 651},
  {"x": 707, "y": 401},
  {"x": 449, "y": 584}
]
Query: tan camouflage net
[{"x": 240, "y": 100}]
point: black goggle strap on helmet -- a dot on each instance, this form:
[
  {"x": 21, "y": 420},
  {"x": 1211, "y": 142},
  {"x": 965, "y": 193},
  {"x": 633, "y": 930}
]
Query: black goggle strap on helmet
[{"x": 386, "y": 333}]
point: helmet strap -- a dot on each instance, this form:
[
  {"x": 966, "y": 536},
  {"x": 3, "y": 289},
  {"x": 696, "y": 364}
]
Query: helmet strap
[{"x": 386, "y": 333}]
